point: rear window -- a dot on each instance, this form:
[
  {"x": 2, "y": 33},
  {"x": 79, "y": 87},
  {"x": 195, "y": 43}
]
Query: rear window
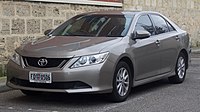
[
  {"x": 160, "y": 24},
  {"x": 171, "y": 28},
  {"x": 95, "y": 26}
]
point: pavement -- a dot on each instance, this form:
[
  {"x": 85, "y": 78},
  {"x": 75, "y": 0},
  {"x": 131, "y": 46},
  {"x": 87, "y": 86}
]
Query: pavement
[{"x": 3, "y": 88}]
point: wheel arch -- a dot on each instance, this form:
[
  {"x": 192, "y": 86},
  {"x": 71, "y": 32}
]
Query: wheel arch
[{"x": 128, "y": 60}]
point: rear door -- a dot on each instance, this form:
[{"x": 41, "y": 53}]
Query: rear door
[{"x": 169, "y": 43}]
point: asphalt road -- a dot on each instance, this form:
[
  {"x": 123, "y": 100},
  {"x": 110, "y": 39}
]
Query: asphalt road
[{"x": 160, "y": 96}]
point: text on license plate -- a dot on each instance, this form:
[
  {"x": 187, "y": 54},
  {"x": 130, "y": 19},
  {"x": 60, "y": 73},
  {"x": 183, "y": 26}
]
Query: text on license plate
[{"x": 40, "y": 77}]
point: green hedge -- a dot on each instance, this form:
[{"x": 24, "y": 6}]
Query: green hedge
[{"x": 2, "y": 70}]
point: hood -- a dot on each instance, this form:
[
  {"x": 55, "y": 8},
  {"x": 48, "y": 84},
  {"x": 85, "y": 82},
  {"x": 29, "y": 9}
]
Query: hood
[{"x": 62, "y": 46}]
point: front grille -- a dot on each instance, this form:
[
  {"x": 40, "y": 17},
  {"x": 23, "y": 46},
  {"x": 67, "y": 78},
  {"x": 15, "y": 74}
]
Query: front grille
[
  {"x": 51, "y": 62},
  {"x": 53, "y": 85}
]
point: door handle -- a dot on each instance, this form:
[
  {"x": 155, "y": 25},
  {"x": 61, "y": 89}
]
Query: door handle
[
  {"x": 177, "y": 38},
  {"x": 157, "y": 42}
]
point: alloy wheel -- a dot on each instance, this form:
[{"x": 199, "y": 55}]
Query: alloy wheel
[
  {"x": 181, "y": 67},
  {"x": 122, "y": 81}
]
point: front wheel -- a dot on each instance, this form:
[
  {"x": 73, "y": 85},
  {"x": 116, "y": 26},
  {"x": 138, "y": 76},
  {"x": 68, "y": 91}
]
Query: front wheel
[
  {"x": 180, "y": 70},
  {"x": 122, "y": 82}
]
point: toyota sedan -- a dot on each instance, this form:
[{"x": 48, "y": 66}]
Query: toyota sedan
[{"x": 102, "y": 52}]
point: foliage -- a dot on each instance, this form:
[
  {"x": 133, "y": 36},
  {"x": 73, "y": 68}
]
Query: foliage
[{"x": 2, "y": 71}]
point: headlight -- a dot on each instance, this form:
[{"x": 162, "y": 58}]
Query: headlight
[
  {"x": 90, "y": 60},
  {"x": 16, "y": 58}
]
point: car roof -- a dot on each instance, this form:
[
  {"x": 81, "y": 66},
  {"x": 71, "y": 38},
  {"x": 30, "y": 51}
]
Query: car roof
[{"x": 120, "y": 12}]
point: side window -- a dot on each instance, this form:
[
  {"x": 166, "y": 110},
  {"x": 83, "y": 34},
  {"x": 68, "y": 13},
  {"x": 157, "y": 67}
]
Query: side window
[
  {"x": 171, "y": 28},
  {"x": 144, "y": 23},
  {"x": 160, "y": 24}
]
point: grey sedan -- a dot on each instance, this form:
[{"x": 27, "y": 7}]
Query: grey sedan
[{"x": 102, "y": 52}]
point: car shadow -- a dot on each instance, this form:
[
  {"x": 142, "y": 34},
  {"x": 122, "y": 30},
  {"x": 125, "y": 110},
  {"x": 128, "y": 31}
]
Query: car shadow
[
  {"x": 80, "y": 100},
  {"x": 150, "y": 87}
]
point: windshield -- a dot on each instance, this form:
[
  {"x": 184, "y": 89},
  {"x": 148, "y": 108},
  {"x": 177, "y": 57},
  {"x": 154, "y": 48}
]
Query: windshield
[{"x": 95, "y": 26}]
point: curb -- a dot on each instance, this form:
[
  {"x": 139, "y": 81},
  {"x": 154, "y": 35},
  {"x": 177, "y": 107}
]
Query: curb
[
  {"x": 3, "y": 87},
  {"x": 196, "y": 51}
]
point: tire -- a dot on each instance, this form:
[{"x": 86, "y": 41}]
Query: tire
[
  {"x": 180, "y": 70},
  {"x": 122, "y": 82},
  {"x": 30, "y": 93}
]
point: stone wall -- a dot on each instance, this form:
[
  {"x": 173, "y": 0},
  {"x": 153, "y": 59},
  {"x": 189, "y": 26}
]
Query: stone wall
[
  {"x": 21, "y": 22},
  {"x": 185, "y": 13}
]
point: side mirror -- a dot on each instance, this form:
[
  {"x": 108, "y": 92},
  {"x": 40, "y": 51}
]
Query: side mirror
[
  {"x": 140, "y": 34},
  {"x": 47, "y": 32}
]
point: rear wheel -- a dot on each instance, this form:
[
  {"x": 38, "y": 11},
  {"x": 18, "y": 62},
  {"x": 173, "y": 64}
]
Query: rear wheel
[
  {"x": 180, "y": 70},
  {"x": 122, "y": 82}
]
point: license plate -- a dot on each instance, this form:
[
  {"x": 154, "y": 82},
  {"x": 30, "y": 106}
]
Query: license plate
[{"x": 40, "y": 77}]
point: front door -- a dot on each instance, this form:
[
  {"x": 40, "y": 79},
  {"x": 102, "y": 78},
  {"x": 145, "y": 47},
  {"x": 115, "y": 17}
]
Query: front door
[{"x": 146, "y": 51}]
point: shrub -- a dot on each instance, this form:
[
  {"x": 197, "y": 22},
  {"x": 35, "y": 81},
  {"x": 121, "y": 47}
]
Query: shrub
[{"x": 2, "y": 71}]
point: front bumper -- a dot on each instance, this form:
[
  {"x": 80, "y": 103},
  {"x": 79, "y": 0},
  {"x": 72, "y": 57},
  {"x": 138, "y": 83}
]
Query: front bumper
[{"x": 96, "y": 78}]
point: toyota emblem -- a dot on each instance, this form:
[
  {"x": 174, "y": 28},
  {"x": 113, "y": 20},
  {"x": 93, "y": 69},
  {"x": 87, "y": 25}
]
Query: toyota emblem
[{"x": 42, "y": 62}]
